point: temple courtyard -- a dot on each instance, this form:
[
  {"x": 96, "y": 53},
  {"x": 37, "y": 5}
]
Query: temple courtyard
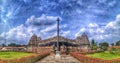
[{"x": 63, "y": 59}]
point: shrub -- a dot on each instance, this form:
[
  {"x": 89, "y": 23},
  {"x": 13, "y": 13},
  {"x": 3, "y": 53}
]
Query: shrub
[{"x": 114, "y": 51}]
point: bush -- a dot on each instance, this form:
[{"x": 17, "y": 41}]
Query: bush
[{"x": 114, "y": 51}]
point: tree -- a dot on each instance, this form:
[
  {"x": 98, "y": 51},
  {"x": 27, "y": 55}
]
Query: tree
[
  {"x": 94, "y": 45},
  {"x": 118, "y": 43},
  {"x": 16, "y": 45},
  {"x": 104, "y": 45},
  {"x": 13, "y": 45},
  {"x": 112, "y": 44},
  {"x": 3, "y": 45},
  {"x": 92, "y": 42}
]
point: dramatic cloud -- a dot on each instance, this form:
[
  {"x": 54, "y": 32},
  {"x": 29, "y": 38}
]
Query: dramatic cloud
[
  {"x": 25, "y": 32},
  {"x": 21, "y": 18},
  {"x": 114, "y": 24},
  {"x": 49, "y": 29},
  {"x": 52, "y": 28},
  {"x": 42, "y": 20},
  {"x": 65, "y": 33},
  {"x": 19, "y": 34},
  {"x": 82, "y": 30},
  {"x": 112, "y": 29},
  {"x": 92, "y": 25},
  {"x": 109, "y": 32}
]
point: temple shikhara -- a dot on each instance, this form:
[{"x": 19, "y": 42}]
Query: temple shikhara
[{"x": 80, "y": 44}]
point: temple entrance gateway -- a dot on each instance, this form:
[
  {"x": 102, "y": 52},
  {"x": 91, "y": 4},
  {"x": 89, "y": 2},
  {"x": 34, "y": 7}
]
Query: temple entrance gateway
[{"x": 63, "y": 46}]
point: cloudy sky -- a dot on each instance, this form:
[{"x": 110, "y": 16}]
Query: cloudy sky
[{"x": 20, "y": 19}]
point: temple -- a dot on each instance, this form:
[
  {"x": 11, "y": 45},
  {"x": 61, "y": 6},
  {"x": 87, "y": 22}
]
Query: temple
[{"x": 81, "y": 44}]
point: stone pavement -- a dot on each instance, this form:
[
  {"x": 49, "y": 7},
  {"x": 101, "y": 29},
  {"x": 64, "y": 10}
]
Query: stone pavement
[{"x": 63, "y": 59}]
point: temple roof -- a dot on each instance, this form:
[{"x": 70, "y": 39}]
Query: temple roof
[
  {"x": 34, "y": 39},
  {"x": 34, "y": 36},
  {"x": 83, "y": 39}
]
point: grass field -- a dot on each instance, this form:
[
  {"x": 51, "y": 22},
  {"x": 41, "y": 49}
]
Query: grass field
[
  {"x": 13, "y": 55},
  {"x": 104, "y": 55}
]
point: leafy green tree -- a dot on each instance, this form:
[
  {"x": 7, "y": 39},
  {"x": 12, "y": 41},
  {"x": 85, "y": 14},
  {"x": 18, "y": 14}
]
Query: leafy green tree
[
  {"x": 14, "y": 45},
  {"x": 92, "y": 42},
  {"x": 112, "y": 44},
  {"x": 118, "y": 43},
  {"x": 104, "y": 45},
  {"x": 94, "y": 45},
  {"x": 3, "y": 45}
]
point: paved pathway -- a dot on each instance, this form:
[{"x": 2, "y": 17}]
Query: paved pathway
[{"x": 63, "y": 59}]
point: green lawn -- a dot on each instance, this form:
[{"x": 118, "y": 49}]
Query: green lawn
[
  {"x": 13, "y": 55},
  {"x": 105, "y": 55}
]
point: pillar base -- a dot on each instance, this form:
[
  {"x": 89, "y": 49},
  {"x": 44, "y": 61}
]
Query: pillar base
[{"x": 57, "y": 56}]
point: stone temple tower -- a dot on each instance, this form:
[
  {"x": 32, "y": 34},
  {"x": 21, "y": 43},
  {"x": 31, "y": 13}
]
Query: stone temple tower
[
  {"x": 83, "y": 42},
  {"x": 33, "y": 43}
]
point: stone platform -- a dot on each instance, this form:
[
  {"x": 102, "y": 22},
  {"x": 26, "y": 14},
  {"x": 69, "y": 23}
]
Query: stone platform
[{"x": 63, "y": 59}]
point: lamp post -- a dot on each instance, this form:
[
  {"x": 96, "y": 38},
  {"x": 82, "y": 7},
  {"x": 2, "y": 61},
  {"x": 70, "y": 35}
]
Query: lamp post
[{"x": 58, "y": 51}]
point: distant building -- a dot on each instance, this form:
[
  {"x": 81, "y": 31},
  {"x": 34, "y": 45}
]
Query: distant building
[
  {"x": 81, "y": 43},
  {"x": 0, "y": 47},
  {"x": 12, "y": 48}
]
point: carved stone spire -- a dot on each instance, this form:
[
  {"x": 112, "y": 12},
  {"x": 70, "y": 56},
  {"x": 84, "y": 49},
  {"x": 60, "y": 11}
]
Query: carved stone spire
[
  {"x": 33, "y": 40},
  {"x": 83, "y": 39}
]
